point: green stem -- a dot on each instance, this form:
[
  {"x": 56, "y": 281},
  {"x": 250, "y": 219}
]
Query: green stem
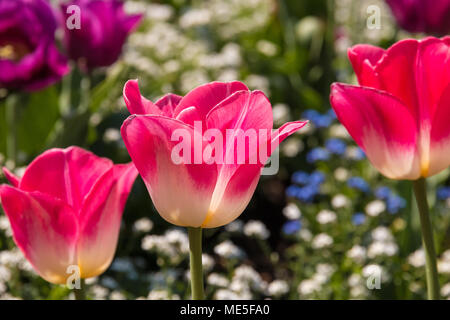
[
  {"x": 65, "y": 98},
  {"x": 427, "y": 239},
  {"x": 85, "y": 89},
  {"x": 12, "y": 104},
  {"x": 80, "y": 294},
  {"x": 195, "y": 246}
]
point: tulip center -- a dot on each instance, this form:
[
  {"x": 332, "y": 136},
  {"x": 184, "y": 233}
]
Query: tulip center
[{"x": 13, "y": 51}]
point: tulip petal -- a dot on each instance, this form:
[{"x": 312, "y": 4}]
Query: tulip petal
[
  {"x": 285, "y": 131},
  {"x": 180, "y": 190},
  {"x": 440, "y": 136},
  {"x": 100, "y": 219},
  {"x": 372, "y": 119},
  {"x": 364, "y": 58},
  {"x": 237, "y": 193},
  {"x": 397, "y": 72},
  {"x": 11, "y": 177},
  {"x": 245, "y": 121},
  {"x": 45, "y": 229},
  {"x": 189, "y": 116},
  {"x": 432, "y": 74},
  {"x": 137, "y": 104},
  {"x": 67, "y": 174},
  {"x": 168, "y": 103},
  {"x": 207, "y": 96}
]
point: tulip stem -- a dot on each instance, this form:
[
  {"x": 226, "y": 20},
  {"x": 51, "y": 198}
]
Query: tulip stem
[
  {"x": 195, "y": 247},
  {"x": 80, "y": 294},
  {"x": 12, "y": 104},
  {"x": 427, "y": 239}
]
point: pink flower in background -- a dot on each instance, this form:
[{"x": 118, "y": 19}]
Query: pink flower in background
[
  {"x": 29, "y": 58},
  {"x": 399, "y": 115},
  {"x": 66, "y": 210},
  {"x": 104, "y": 28},
  {"x": 206, "y": 193},
  {"x": 427, "y": 16}
]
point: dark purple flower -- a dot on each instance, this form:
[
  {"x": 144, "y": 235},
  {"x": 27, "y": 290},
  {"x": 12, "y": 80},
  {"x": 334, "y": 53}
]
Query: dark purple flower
[
  {"x": 104, "y": 27},
  {"x": 29, "y": 59},
  {"x": 427, "y": 16}
]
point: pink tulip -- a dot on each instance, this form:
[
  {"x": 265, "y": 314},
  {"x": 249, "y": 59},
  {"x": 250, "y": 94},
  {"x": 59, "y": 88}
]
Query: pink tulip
[
  {"x": 202, "y": 193},
  {"x": 66, "y": 210},
  {"x": 399, "y": 115}
]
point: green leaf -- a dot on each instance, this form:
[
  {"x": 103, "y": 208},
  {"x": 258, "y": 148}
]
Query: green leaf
[{"x": 37, "y": 117}]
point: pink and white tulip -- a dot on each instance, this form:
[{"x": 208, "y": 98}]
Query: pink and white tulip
[
  {"x": 399, "y": 114},
  {"x": 204, "y": 194},
  {"x": 66, "y": 211}
]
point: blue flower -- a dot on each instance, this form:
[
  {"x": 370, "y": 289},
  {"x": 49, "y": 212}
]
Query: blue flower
[
  {"x": 292, "y": 227},
  {"x": 317, "y": 154},
  {"x": 336, "y": 146},
  {"x": 332, "y": 114},
  {"x": 383, "y": 193},
  {"x": 358, "y": 218},
  {"x": 359, "y": 184},
  {"x": 394, "y": 203},
  {"x": 307, "y": 193},
  {"x": 443, "y": 193},
  {"x": 292, "y": 191},
  {"x": 359, "y": 154},
  {"x": 300, "y": 177},
  {"x": 323, "y": 121},
  {"x": 316, "y": 178},
  {"x": 318, "y": 119}
]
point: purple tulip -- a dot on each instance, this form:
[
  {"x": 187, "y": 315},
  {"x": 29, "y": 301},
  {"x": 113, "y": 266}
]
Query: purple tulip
[
  {"x": 29, "y": 59},
  {"x": 103, "y": 29},
  {"x": 427, "y": 16}
]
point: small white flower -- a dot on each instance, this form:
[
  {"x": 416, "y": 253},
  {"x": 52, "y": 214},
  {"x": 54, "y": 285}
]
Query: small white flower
[
  {"x": 207, "y": 262},
  {"x": 417, "y": 258},
  {"x": 326, "y": 216},
  {"x": 194, "y": 18},
  {"x": 339, "y": 201},
  {"x": 354, "y": 280},
  {"x": 379, "y": 248},
  {"x": 217, "y": 280},
  {"x": 278, "y": 288},
  {"x": 308, "y": 287},
  {"x": 228, "y": 250},
  {"x": 224, "y": 294},
  {"x": 445, "y": 290},
  {"x": 159, "y": 294},
  {"x": 358, "y": 291},
  {"x": 374, "y": 208},
  {"x": 257, "y": 229},
  {"x": 267, "y": 48},
  {"x": 339, "y": 131},
  {"x": 99, "y": 292},
  {"x": 111, "y": 135},
  {"x": 444, "y": 267},
  {"x": 305, "y": 234},
  {"x": 117, "y": 295},
  {"x": 292, "y": 147},
  {"x": 235, "y": 226},
  {"x": 322, "y": 240},
  {"x": 382, "y": 234},
  {"x": 357, "y": 253},
  {"x": 143, "y": 225},
  {"x": 280, "y": 113},
  {"x": 341, "y": 174},
  {"x": 292, "y": 212}
]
